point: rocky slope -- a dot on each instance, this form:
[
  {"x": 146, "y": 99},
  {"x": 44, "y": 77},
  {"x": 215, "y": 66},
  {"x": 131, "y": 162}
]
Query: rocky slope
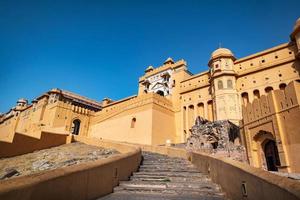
[{"x": 52, "y": 158}]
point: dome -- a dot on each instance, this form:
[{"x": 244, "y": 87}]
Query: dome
[
  {"x": 169, "y": 61},
  {"x": 22, "y": 100},
  {"x": 297, "y": 24},
  {"x": 221, "y": 52}
]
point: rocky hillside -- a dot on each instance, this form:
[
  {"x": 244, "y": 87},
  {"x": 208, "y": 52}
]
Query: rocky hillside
[{"x": 52, "y": 158}]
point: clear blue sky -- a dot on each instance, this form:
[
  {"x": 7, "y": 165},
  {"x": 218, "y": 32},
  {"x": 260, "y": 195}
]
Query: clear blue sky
[{"x": 99, "y": 48}]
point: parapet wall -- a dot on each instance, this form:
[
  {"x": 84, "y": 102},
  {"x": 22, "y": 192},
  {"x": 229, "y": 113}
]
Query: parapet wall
[
  {"x": 22, "y": 143},
  {"x": 240, "y": 181},
  {"x": 111, "y": 111},
  {"x": 88, "y": 180}
]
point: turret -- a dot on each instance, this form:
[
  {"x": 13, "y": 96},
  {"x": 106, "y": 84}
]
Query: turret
[
  {"x": 295, "y": 36},
  {"x": 149, "y": 69},
  {"x": 169, "y": 61},
  {"x": 106, "y": 101},
  {"x": 223, "y": 80},
  {"x": 21, "y": 104}
]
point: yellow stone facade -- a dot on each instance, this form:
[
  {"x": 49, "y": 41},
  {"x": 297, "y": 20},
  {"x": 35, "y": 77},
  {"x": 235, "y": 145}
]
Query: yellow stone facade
[{"x": 168, "y": 101}]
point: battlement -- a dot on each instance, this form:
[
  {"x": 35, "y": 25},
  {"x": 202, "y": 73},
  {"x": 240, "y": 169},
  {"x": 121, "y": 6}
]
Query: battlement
[{"x": 276, "y": 101}]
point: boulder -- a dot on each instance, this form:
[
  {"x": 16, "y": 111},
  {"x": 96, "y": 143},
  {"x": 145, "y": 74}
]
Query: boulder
[{"x": 219, "y": 137}]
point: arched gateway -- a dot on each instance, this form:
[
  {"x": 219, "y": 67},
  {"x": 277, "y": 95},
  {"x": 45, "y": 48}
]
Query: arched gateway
[{"x": 271, "y": 155}]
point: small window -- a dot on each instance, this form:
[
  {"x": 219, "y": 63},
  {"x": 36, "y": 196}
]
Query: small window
[
  {"x": 133, "y": 121},
  {"x": 263, "y": 61},
  {"x": 256, "y": 94},
  {"x": 220, "y": 84},
  {"x": 282, "y": 86},
  {"x": 276, "y": 57},
  {"x": 268, "y": 89},
  {"x": 229, "y": 84}
]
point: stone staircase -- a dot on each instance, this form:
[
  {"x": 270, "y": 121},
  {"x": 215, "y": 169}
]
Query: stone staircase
[{"x": 161, "y": 177}]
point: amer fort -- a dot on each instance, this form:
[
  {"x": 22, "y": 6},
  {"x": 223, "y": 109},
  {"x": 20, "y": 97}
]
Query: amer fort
[{"x": 143, "y": 136}]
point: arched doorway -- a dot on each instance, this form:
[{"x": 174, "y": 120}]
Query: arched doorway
[
  {"x": 161, "y": 93},
  {"x": 75, "y": 127},
  {"x": 271, "y": 155}
]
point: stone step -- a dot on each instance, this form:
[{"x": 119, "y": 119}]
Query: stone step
[
  {"x": 161, "y": 177},
  {"x": 165, "y": 163},
  {"x": 167, "y": 167},
  {"x": 150, "y": 158},
  {"x": 164, "y": 159},
  {"x": 168, "y": 184},
  {"x": 178, "y": 170},
  {"x": 134, "y": 195},
  {"x": 165, "y": 190},
  {"x": 170, "y": 179},
  {"x": 169, "y": 174}
]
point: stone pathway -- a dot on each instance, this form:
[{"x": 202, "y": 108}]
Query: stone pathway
[{"x": 161, "y": 177}]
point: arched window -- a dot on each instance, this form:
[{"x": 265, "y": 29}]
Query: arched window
[
  {"x": 256, "y": 94},
  {"x": 268, "y": 89},
  {"x": 229, "y": 84},
  {"x": 161, "y": 93},
  {"x": 220, "y": 84},
  {"x": 210, "y": 110},
  {"x": 133, "y": 121},
  {"x": 282, "y": 86},
  {"x": 75, "y": 127},
  {"x": 200, "y": 107},
  {"x": 245, "y": 98}
]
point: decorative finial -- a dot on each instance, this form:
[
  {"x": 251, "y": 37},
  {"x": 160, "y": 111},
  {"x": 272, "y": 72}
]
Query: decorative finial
[{"x": 220, "y": 45}]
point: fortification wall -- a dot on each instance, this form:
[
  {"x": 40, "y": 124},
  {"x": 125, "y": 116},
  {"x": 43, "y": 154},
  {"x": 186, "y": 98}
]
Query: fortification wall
[
  {"x": 265, "y": 71},
  {"x": 262, "y": 60},
  {"x": 195, "y": 82},
  {"x": 43, "y": 116},
  {"x": 274, "y": 117},
  {"x": 136, "y": 121}
]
